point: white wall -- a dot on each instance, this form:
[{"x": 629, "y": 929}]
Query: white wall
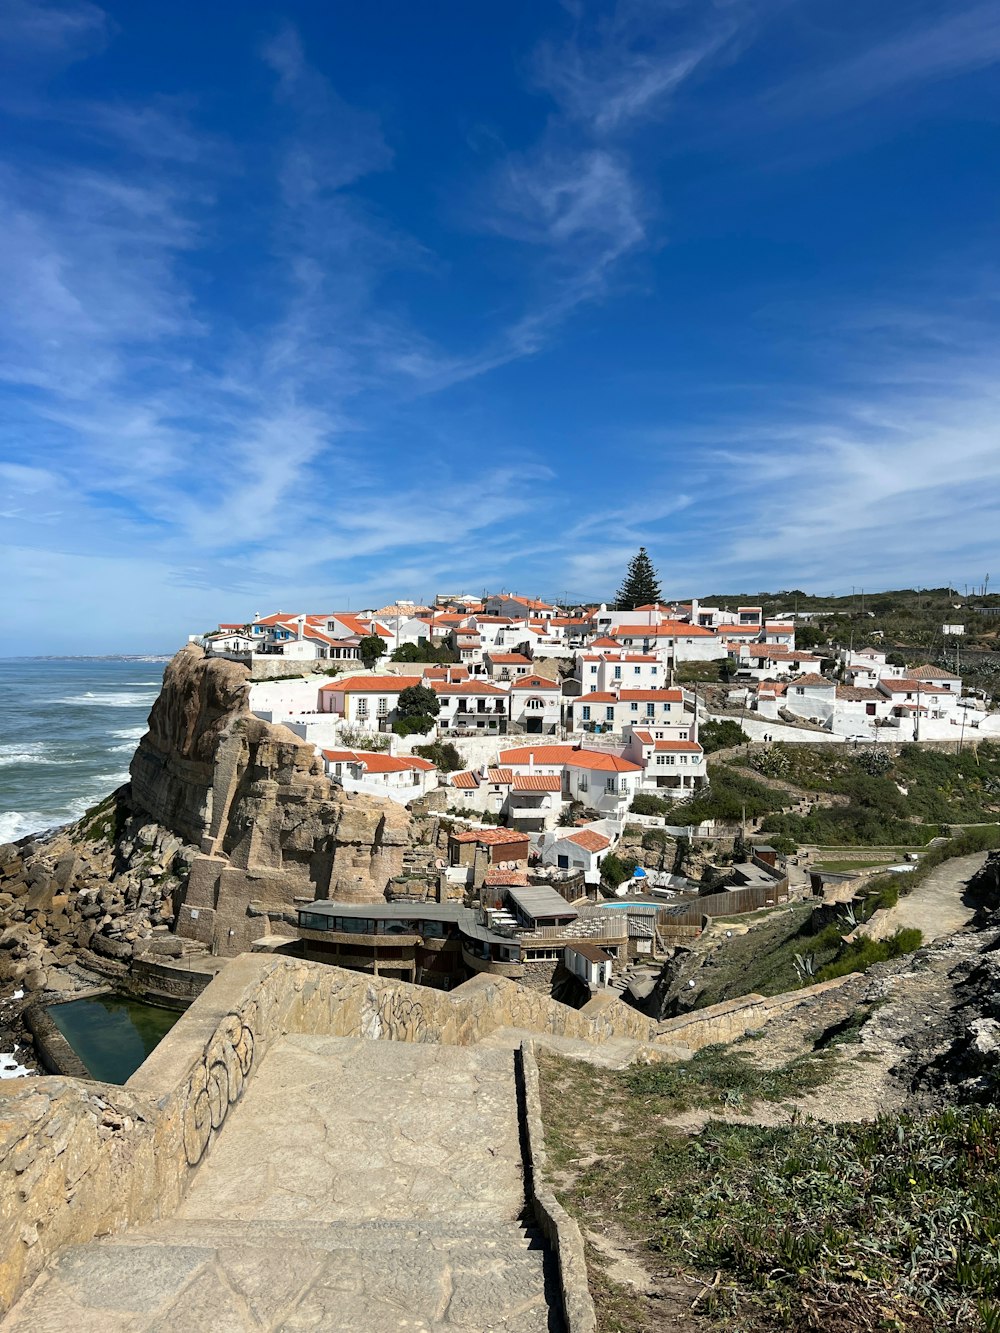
[{"x": 275, "y": 700}]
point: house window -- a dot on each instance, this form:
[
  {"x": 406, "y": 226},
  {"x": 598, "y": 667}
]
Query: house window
[
  {"x": 650, "y": 710},
  {"x": 652, "y": 671},
  {"x": 593, "y": 671},
  {"x": 611, "y": 785},
  {"x": 383, "y": 707},
  {"x": 634, "y": 707},
  {"x": 663, "y": 759},
  {"x": 637, "y": 671},
  {"x": 618, "y": 673},
  {"x": 582, "y": 782},
  {"x": 362, "y": 708},
  {"x": 870, "y": 709},
  {"x": 609, "y": 713},
  {"x": 586, "y": 713},
  {"x": 562, "y": 862}
]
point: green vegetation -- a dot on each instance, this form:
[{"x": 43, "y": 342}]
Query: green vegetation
[
  {"x": 722, "y": 1076},
  {"x": 863, "y": 952},
  {"x": 694, "y": 673},
  {"x": 641, "y": 584},
  {"x": 616, "y": 870},
  {"x": 731, "y": 792},
  {"x": 424, "y": 652},
  {"x": 721, "y": 736},
  {"x": 889, "y": 1225},
  {"x": 370, "y": 649},
  {"x": 442, "y": 754},
  {"x": 104, "y": 820}
]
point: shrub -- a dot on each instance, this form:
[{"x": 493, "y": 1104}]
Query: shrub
[
  {"x": 413, "y": 726},
  {"x": 442, "y": 754},
  {"x": 643, "y": 803},
  {"x": 370, "y": 649},
  {"x": 721, "y": 736},
  {"x": 418, "y": 701},
  {"x": 614, "y": 872},
  {"x": 863, "y": 952}
]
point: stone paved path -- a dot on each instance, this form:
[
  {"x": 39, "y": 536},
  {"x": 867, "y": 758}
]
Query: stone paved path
[{"x": 363, "y": 1186}]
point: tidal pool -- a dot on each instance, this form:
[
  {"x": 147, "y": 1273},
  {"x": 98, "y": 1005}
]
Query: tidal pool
[{"x": 112, "y": 1034}]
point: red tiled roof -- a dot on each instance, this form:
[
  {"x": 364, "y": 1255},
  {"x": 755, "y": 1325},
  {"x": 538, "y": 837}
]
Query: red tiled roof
[
  {"x": 509, "y": 659},
  {"x": 928, "y": 672},
  {"x": 536, "y": 782},
  {"x": 572, "y": 755},
  {"x": 507, "y": 878},
  {"x": 907, "y": 685},
  {"x": 596, "y": 697},
  {"x": 589, "y": 840},
  {"x": 387, "y": 684},
  {"x": 492, "y": 837},
  {"x": 652, "y": 696},
  {"x": 673, "y": 628},
  {"x": 500, "y": 777},
  {"x": 536, "y": 683},
  {"x": 378, "y": 763},
  {"x": 810, "y": 679},
  {"x": 465, "y": 781},
  {"x": 691, "y": 747}
]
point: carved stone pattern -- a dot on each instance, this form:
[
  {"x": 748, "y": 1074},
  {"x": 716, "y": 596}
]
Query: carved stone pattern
[{"x": 216, "y": 1083}]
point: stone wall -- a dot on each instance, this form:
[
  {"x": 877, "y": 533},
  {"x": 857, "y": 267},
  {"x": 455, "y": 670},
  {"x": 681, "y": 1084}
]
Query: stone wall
[{"x": 81, "y": 1159}]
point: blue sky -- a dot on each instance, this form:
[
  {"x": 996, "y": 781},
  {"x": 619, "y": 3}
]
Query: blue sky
[{"x": 317, "y": 305}]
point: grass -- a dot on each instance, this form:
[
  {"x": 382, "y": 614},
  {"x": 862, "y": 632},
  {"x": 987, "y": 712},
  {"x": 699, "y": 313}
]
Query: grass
[
  {"x": 891, "y": 1225},
  {"x": 845, "y": 867}
]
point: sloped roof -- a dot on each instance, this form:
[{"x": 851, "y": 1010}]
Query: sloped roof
[{"x": 588, "y": 840}]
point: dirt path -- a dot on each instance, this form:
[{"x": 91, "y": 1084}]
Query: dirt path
[{"x": 937, "y": 906}]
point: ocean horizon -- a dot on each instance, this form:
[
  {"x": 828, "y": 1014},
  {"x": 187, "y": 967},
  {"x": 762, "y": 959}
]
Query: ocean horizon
[{"x": 68, "y": 729}]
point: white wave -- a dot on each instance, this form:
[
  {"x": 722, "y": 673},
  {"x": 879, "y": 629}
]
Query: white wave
[
  {"x": 130, "y": 733},
  {"x": 127, "y": 748},
  {"x": 10, "y": 1068},
  {"x": 111, "y": 780},
  {"x": 19, "y": 823},
  {"x": 13, "y": 756},
  {"x": 119, "y": 700}
]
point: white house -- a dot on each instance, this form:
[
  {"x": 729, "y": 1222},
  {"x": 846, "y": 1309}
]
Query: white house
[
  {"x": 672, "y": 767},
  {"x": 581, "y": 849},
  {"x": 762, "y": 661},
  {"x": 536, "y": 704},
  {"x": 613, "y": 711},
  {"x": 932, "y": 675},
  {"x": 471, "y": 705},
  {"x": 599, "y": 780},
  {"x": 401, "y": 778},
  {"x": 504, "y": 666},
  {"x": 611, "y": 670},
  {"x": 368, "y": 700}
]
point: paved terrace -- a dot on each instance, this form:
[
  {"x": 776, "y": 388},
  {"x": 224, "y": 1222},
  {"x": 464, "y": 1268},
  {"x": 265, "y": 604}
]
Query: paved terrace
[{"x": 359, "y": 1185}]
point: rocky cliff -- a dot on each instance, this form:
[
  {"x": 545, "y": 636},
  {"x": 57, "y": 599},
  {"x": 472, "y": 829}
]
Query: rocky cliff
[
  {"x": 271, "y": 827},
  {"x": 227, "y": 821}
]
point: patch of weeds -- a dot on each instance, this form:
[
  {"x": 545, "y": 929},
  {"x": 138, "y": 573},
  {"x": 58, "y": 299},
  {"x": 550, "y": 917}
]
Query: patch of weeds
[
  {"x": 863, "y": 953},
  {"x": 720, "y": 1076}
]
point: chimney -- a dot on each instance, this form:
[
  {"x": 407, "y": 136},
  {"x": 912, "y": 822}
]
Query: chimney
[{"x": 531, "y": 761}]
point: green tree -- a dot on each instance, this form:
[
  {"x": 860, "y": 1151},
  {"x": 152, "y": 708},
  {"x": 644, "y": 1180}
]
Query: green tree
[
  {"x": 418, "y": 701},
  {"x": 370, "y": 649},
  {"x": 641, "y": 584},
  {"x": 613, "y": 871}
]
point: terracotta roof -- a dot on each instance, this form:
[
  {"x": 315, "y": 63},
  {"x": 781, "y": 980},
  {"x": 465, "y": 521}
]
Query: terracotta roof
[
  {"x": 465, "y": 781},
  {"x": 536, "y": 782},
  {"x": 689, "y": 747},
  {"x": 597, "y": 697},
  {"x": 908, "y": 685},
  {"x": 509, "y": 659},
  {"x": 500, "y": 777},
  {"x": 666, "y": 627},
  {"x": 490, "y": 836},
  {"x": 536, "y": 683},
  {"x": 643, "y": 737},
  {"x": 928, "y": 672},
  {"x": 605, "y": 642},
  {"x": 588, "y": 840},
  {"x": 572, "y": 755},
  {"x": 466, "y": 687},
  {"x": 652, "y": 696},
  {"x": 374, "y": 762},
  {"x": 507, "y": 878},
  {"x": 387, "y": 684},
  {"x": 811, "y": 680},
  {"x": 856, "y": 693}
]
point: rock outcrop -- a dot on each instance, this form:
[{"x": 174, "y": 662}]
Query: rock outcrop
[
  {"x": 226, "y": 823},
  {"x": 271, "y": 827}
]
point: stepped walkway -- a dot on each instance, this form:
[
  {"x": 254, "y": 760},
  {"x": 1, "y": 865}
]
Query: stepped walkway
[{"x": 358, "y": 1185}]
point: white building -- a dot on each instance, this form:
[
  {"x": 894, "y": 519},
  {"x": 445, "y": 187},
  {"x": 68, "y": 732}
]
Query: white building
[
  {"x": 581, "y": 849},
  {"x": 400, "y": 778},
  {"x": 613, "y": 711},
  {"x": 672, "y": 767},
  {"x": 599, "y": 780},
  {"x": 471, "y": 705},
  {"x": 536, "y": 704}
]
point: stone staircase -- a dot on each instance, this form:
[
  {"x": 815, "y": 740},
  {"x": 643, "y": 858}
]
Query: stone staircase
[{"x": 360, "y": 1185}]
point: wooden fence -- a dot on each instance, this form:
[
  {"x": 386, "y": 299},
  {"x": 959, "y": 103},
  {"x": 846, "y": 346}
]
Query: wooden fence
[{"x": 731, "y": 903}]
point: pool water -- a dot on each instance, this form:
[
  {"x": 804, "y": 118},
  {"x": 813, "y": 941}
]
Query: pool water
[{"x": 112, "y": 1034}]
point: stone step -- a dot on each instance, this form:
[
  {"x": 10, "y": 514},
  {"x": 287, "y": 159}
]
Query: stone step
[{"x": 473, "y": 1286}]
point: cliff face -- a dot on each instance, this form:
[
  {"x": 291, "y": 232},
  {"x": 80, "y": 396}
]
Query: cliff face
[{"x": 271, "y": 826}]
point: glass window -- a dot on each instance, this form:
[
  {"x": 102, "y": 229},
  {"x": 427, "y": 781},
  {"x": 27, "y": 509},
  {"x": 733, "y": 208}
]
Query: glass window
[
  {"x": 609, "y": 712},
  {"x": 650, "y": 709},
  {"x": 586, "y": 713}
]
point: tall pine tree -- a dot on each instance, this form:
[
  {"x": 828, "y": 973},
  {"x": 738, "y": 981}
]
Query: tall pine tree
[{"x": 641, "y": 584}]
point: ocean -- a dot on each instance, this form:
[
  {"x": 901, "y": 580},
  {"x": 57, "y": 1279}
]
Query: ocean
[{"x": 68, "y": 730}]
